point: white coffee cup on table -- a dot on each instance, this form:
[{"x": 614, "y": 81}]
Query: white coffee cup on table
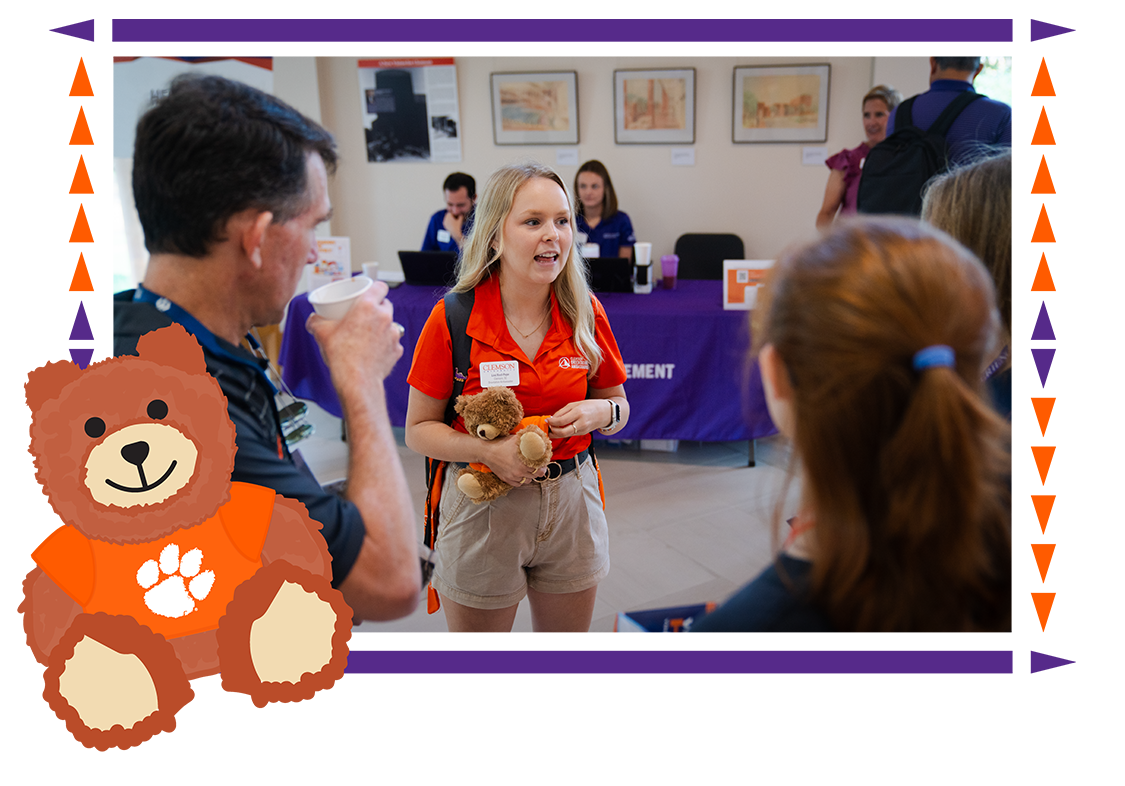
[{"x": 644, "y": 253}]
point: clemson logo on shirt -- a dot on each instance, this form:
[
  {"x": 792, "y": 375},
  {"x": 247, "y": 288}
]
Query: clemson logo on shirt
[{"x": 578, "y": 362}]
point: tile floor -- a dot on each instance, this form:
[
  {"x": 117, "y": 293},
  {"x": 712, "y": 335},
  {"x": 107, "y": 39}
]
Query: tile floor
[{"x": 685, "y": 527}]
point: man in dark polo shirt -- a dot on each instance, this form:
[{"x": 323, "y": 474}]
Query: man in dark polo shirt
[{"x": 230, "y": 184}]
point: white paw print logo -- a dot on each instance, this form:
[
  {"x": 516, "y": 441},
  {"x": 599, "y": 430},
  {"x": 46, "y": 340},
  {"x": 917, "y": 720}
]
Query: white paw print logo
[{"x": 175, "y": 583}]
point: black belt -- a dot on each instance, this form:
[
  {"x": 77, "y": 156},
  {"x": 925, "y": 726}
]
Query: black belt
[{"x": 556, "y": 469}]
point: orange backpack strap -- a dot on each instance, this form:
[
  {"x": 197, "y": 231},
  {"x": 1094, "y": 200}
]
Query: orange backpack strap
[
  {"x": 458, "y": 308},
  {"x": 435, "y": 476},
  {"x": 598, "y": 469}
]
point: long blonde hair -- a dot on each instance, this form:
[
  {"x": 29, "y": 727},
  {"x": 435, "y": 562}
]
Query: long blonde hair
[
  {"x": 906, "y": 471},
  {"x": 480, "y": 257}
]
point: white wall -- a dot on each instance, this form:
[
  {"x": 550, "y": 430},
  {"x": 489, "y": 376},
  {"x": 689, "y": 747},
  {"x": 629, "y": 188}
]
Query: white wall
[{"x": 762, "y": 192}]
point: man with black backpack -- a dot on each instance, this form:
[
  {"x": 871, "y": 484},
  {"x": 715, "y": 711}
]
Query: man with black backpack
[{"x": 931, "y": 132}]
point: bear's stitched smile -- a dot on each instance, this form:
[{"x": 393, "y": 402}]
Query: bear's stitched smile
[{"x": 144, "y": 486}]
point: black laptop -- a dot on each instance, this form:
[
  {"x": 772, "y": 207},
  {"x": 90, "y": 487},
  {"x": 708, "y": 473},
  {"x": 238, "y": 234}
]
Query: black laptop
[
  {"x": 429, "y": 268},
  {"x": 611, "y": 274}
]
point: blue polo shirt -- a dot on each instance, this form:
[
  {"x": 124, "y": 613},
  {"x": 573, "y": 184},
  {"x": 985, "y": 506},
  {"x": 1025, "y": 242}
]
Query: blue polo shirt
[
  {"x": 434, "y": 242},
  {"x": 610, "y": 233},
  {"x": 982, "y": 125}
]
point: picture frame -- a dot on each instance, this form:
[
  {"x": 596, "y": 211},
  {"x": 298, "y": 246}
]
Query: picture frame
[
  {"x": 654, "y": 106},
  {"x": 535, "y": 107},
  {"x": 780, "y": 103}
]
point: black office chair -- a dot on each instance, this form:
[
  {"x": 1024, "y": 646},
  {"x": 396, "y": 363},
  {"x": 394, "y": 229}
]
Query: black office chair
[{"x": 702, "y": 254}]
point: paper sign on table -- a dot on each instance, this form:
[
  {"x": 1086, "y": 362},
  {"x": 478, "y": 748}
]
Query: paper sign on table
[{"x": 741, "y": 279}]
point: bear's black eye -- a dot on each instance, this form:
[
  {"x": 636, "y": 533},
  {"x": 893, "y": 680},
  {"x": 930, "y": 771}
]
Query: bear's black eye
[
  {"x": 95, "y": 427},
  {"x": 157, "y": 409}
]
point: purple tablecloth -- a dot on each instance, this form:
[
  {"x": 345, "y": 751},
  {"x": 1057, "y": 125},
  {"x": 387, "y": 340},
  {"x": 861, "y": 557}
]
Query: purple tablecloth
[{"x": 685, "y": 356}]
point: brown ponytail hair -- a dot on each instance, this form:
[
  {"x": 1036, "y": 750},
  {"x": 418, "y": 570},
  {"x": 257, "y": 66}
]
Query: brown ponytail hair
[{"x": 906, "y": 472}]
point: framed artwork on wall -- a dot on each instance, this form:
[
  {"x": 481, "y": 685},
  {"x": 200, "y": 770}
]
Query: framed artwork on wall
[
  {"x": 780, "y": 103},
  {"x": 535, "y": 108},
  {"x": 654, "y": 107}
]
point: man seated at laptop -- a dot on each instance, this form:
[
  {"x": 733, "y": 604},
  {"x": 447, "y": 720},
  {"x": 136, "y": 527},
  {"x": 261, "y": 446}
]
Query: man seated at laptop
[{"x": 449, "y": 227}]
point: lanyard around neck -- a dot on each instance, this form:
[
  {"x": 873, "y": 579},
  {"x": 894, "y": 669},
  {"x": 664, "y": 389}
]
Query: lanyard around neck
[{"x": 202, "y": 335}]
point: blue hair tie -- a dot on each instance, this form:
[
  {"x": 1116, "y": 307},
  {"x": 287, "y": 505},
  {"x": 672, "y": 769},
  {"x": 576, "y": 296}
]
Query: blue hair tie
[{"x": 936, "y": 355}]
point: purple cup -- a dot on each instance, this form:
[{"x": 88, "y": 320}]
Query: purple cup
[{"x": 669, "y": 266}]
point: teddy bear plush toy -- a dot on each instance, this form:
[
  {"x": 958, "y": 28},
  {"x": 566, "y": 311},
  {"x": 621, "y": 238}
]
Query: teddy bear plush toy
[
  {"x": 163, "y": 569},
  {"x": 492, "y": 413}
]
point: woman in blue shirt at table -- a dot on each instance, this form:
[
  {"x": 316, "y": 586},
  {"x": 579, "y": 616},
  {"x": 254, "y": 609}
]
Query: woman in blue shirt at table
[
  {"x": 598, "y": 217},
  {"x": 873, "y": 342}
]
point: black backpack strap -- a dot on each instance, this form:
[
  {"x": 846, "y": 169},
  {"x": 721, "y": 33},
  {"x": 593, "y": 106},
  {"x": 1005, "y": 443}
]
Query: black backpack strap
[
  {"x": 945, "y": 120},
  {"x": 904, "y": 117},
  {"x": 458, "y": 307}
]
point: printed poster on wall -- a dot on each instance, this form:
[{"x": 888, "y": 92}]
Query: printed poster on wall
[{"x": 410, "y": 109}]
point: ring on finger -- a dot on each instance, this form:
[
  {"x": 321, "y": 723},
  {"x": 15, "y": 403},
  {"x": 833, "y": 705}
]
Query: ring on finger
[
  {"x": 401, "y": 330},
  {"x": 575, "y": 427},
  {"x": 522, "y": 481}
]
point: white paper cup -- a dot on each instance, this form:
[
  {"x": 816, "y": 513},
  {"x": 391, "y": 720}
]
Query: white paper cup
[
  {"x": 371, "y": 270},
  {"x": 644, "y": 253},
  {"x": 591, "y": 250},
  {"x": 333, "y": 301}
]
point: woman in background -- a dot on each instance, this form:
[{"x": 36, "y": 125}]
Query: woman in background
[
  {"x": 873, "y": 343},
  {"x": 847, "y": 165},
  {"x": 536, "y": 329},
  {"x": 598, "y": 216}
]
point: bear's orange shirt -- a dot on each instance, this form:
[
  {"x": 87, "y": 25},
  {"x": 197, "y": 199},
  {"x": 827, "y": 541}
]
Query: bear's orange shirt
[{"x": 132, "y": 579}]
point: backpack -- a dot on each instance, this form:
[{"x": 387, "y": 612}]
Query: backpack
[
  {"x": 458, "y": 307},
  {"x": 897, "y": 169}
]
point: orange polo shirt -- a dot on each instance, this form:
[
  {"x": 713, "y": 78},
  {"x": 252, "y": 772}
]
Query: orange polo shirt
[
  {"x": 177, "y": 585},
  {"x": 555, "y": 378}
]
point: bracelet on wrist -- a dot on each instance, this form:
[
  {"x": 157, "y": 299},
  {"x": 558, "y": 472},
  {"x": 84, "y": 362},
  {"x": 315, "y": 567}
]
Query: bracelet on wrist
[{"x": 614, "y": 417}]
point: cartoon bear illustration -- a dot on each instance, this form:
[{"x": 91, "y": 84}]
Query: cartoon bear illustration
[{"x": 164, "y": 570}]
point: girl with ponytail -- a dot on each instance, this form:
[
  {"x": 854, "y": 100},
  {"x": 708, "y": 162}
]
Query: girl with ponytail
[{"x": 872, "y": 342}]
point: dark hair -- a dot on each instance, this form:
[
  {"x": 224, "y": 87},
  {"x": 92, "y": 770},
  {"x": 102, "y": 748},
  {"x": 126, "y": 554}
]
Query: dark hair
[
  {"x": 609, "y": 203},
  {"x": 906, "y": 471},
  {"x": 459, "y": 180},
  {"x": 968, "y": 64},
  {"x": 212, "y": 148}
]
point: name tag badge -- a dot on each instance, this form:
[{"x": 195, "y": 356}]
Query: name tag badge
[
  {"x": 443, "y": 236},
  {"x": 501, "y": 373}
]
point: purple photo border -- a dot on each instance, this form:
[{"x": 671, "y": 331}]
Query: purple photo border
[
  {"x": 840, "y": 693},
  {"x": 45, "y": 38}
]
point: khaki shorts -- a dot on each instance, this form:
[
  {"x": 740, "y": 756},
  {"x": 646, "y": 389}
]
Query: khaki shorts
[{"x": 549, "y": 536}]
